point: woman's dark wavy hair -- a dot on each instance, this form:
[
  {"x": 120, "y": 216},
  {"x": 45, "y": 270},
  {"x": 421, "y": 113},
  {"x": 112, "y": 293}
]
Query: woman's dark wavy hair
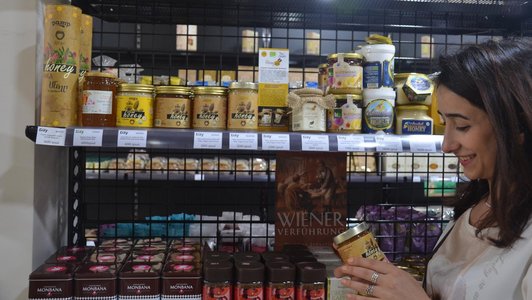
[{"x": 496, "y": 76}]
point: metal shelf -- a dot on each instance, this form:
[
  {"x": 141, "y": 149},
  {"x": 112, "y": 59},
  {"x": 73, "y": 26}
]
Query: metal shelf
[{"x": 297, "y": 141}]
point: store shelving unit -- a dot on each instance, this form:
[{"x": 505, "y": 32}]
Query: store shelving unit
[{"x": 144, "y": 33}]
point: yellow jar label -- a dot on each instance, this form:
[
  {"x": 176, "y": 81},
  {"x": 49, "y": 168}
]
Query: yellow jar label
[
  {"x": 172, "y": 113},
  {"x": 209, "y": 112},
  {"x": 242, "y": 110},
  {"x": 365, "y": 246},
  {"x": 134, "y": 111}
]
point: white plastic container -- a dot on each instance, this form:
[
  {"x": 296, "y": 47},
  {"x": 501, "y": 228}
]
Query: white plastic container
[
  {"x": 379, "y": 66},
  {"x": 378, "y": 110}
]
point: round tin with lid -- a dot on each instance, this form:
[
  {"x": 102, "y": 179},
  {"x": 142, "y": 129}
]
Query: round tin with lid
[
  {"x": 358, "y": 241},
  {"x": 345, "y": 73},
  {"x": 172, "y": 106},
  {"x": 210, "y": 107},
  {"x": 134, "y": 105},
  {"x": 243, "y": 106}
]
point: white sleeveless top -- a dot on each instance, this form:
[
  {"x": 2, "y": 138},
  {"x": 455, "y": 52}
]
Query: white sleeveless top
[{"x": 467, "y": 267}]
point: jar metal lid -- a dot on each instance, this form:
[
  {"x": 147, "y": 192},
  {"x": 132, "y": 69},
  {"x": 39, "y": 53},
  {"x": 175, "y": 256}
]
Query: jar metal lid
[
  {"x": 346, "y": 55},
  {"x": 99, "y": 74},
  {"x": 209, "y": 90},
  {"x": 173, "y": 89},
  {"x": 401, "y": 76},
  {"x": 412, "y": 107},
  {"x": 344, "y": 97},
  {"x": 351, "y": 232},
  {"x": 323, "y": 66},
  {"x": 134, "y": 87},
  {"x": 244, "y": 85}
]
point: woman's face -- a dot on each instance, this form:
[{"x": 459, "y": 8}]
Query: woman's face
[{"x": 468, "y": 134}]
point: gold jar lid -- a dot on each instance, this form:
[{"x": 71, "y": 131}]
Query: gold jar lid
[
  {"x": 173, "y": 89},
  {"x": 243, "y": 86},
  {"x": 346, "y": 55},
  {"x": 412, "y": 107},
  {"x": 134, "y": 87},
  {"x": 402, "y": 76},
  {"x": 323, "y": 66},
  {"x": 351, "y": 232},
  {"x": 209, "y": 90},
  {"x": 99, "y": 74},
  {"x": 355, "y": 97}
]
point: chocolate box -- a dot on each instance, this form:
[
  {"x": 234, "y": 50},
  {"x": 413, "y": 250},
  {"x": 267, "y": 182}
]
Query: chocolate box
[
  {"x": 182, "y": 281},
  {"x": 184, "y": 257},
  {"x": 108, "y": 257},
  {"x": 51, "y": 281},
  {"x": 140, "y": 280},
  {"x": 96, "y": 281},
  {"x": 153, "y": 257}
]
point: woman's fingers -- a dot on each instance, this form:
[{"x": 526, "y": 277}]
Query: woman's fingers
[{"x": 381, "y": 267}]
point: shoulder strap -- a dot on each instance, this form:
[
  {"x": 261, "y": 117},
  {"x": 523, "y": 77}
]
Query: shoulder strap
[{"x": 433, "y": 252}]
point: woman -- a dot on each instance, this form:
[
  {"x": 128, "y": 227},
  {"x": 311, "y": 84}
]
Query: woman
[{"x": 485, "y": 98}]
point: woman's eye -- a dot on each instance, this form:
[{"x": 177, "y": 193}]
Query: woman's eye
[{"x": 462, "y": 128}]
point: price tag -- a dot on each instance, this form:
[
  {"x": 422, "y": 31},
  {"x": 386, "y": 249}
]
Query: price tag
[
  {"x": 207, "y": 140},
  {"x": 50, "y": 136},
  {"x": 244, "y": 141},
  {"x": 350, "y": 143},
  {"x": 132, "y": 138},
  {"x": 389, "y": 144},
  {"x": 275, "y": 141},
  {"x": 88, "y": 137},
  {"x": 314, "y": 142},
  {"x": 422, "y": 146}
]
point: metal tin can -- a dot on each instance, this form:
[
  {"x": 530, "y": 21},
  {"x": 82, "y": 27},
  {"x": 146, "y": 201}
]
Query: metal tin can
[
  {"x": 210, "y": 107},
  {"x": 172, "y": 107},
  {"x": 345, "y": 75},
  {"x": 413, "y": 88},
  {"x": 134, "y": 105},
  {"x": 358, "y": 241},
  {"x": 243, "y": 106}
]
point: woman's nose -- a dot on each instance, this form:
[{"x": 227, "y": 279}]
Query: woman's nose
[{"x": 449, "y": 144}]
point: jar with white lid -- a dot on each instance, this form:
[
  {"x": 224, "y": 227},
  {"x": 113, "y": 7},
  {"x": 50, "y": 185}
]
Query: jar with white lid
[
  {"x": 378, "y": 113},
  {"x": 413, "y": 88},
  {"x": 413, "y": 119}
]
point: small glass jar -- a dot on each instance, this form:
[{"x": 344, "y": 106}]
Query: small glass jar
[
  {"x": 243, "y": 106},
  {"x": 413, "y": 119},
  {"x": 134, "y": 105},
  {"x": 311, "y": 278},
  {"x": 210, "y": 107},
  {"x": 345, "y": 75},
  {"x": 280, "y": 277},
  {"x": 413, "y": 88},
  {"x": 249, "y": 278},
  {"x": 358, "y": 241},
  {"x": 98, "y": 107},
  {"x": 172, "y": 106},
  {"x": 347, "y": 115},
  {"x": 323, "y": 77},
  {"x": 217, "y": 280}
]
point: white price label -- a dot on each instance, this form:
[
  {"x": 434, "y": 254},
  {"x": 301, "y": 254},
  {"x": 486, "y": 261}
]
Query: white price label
[
  {"x": 243, "y": 141},
  {"x": 422, "y": 146},
  {"x": 389, "y": 144},
  {"x": 275, "y": 141},
  {"x": 50, "y": 136},
  {"x": 314, "y": 142},
  {"x": 207, "y": 140},
  {"x": 88, "y": 137},
  {"x": 349, "y": 143},
  {"x": 132, "y": 138}
]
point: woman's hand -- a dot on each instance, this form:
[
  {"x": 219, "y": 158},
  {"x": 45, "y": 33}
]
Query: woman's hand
[{"x": 372, "y": 279}]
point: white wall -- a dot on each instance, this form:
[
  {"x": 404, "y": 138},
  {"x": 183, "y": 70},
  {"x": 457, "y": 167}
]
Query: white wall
[{"x": 17, "y": 103}]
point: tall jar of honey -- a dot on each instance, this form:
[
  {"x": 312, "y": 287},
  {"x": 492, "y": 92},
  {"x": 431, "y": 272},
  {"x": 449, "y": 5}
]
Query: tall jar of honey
[
  {"x": 243, "y": 106},
  {"x": 210, "y": 107},
  {"x": 134, "y": 105},
  {"x": 98, "y": 107},
  {"x": 172, "y": 106}
]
